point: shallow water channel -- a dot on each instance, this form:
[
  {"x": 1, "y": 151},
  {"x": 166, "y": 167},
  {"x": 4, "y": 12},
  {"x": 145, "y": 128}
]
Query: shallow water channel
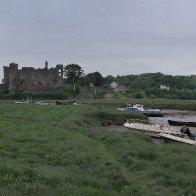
[{"x": 178, "y": 115}]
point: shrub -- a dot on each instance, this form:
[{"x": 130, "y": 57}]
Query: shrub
[{"x": 118, "y": 118}]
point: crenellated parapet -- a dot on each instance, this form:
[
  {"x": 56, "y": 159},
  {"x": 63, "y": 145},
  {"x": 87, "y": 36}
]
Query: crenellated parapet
[
  {"x": 13, "y": 66},
  {"x": 28, "y": 68}
]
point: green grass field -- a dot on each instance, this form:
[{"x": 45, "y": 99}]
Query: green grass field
[{"x": 54, "y": 150}]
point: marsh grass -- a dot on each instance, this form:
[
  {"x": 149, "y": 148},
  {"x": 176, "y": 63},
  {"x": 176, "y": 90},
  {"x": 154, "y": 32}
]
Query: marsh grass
[
  {"x": 54, "y": 150},
  {"x": 148, "y": 103}
]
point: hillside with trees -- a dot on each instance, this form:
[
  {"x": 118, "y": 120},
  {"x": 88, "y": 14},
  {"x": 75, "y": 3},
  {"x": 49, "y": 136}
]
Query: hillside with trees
[{"x": 147, "y": 85}]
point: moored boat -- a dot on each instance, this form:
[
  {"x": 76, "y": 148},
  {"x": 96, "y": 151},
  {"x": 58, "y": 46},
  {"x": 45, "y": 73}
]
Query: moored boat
[
  {"x": 39, "y": 103},
  {"x": 181, "y": 123},
  {"x": 138, "y": 108},
  {"x": 152, "y": 128},
  {"x": 177, "y": 139}
]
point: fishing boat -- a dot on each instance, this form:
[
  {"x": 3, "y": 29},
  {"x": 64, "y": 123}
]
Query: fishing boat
[
  {"x": 138, "y": 108},
  {"x": 181, "y": 123}
]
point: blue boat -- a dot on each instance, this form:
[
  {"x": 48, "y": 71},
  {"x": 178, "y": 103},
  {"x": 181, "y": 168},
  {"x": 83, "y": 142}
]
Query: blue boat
[
  {"x": 138, "y": 108},
  {"x": 39, "y": 103}
]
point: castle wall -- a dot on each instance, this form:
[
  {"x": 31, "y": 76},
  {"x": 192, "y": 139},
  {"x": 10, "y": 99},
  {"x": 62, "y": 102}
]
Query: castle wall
[
  {"x": 28, "y": 79},
  {"x": 9, "y": 73},
  {"x": 2, "y": 88},
  {"x": 6, "y": 76}
]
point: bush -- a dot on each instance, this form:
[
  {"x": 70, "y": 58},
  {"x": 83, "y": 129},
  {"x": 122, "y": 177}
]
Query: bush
[
  {"x": 118, "y": 118},
  {"x": 139, "y": 95},
  {"x": 70, "y": 90}
]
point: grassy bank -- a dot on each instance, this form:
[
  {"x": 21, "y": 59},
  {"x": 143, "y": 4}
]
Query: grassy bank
[
  {"x": 54, "y": 150},
  {"x": 150, "y": 103}
]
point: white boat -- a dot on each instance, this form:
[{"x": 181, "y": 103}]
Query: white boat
[
  {"x": 177, "y": 139},
  {"x": 152, "y": 128},
  {"x": 22, "y": 102},
  {"x": 40, "y": 103}
]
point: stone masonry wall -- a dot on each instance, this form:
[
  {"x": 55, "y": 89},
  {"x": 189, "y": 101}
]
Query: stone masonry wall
[
  {"x": 28, "y": 79},
  {"x": 1, "y": 88}
]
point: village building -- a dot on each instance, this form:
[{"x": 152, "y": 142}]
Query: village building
[
  {"x": 113, "y": 85},
  {"x": 91, "y": 85},
  {"x": 29, "y": 79},
  {"x": 164, "y": 87},
  {"x": 118, "y": 88},
  {"x": 121, "y": 89}
]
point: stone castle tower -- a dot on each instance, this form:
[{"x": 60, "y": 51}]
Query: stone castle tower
[{"x": 28, "y": 79}]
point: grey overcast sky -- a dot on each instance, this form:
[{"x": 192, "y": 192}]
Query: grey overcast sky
[{"x": 116, "y": 37}]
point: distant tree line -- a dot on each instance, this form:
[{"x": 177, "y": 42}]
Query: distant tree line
[
  {"x": 148, "y": 85},
  {"x": 139, "y": 86}
]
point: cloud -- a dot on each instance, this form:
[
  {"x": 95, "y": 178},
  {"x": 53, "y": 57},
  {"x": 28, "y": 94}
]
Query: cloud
[{"x": 109, "y": 36}]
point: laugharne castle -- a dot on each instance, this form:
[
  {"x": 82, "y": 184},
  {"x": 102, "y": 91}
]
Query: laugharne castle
[{"x": 29, "y": 79}]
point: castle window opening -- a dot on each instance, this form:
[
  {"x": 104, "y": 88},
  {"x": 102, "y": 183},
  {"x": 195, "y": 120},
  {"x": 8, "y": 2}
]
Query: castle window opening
[{"x": 60, "y": 73}]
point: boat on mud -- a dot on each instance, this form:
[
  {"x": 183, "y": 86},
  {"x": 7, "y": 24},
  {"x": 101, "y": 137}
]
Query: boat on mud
[
  {"x": 159, "y": 131},
  {"x": 181, "y": 123},
  {"x": 151, "y": 128},
  {"x": 168, "y": 137},
  {"x": 138, "y": 108}
]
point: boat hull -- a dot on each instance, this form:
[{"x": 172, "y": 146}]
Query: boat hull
[
  {"x": 147, "y": 112},
  {"x": 181, "y": 123},
  {"x": 177, "y": 139},
  {"x": 152, "y": 128}
]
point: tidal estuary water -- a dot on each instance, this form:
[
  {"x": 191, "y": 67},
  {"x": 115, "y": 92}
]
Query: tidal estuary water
[{"x": 178, "y": 115}]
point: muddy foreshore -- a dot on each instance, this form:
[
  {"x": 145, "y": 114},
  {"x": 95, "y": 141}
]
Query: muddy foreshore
[{"x": 178, "y": 115}]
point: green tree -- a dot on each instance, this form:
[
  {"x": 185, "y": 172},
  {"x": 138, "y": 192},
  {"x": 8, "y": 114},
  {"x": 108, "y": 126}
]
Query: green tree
[
  {"x": 96, "y": 78},
  {"x": 73, "y": 72},
  {"x": 109, "y": 79}
]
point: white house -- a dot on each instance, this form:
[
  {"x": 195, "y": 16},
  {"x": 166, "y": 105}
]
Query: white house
[
  {"x": 164, "y": 87},
  {"x": 114, "y": 85},
  {"x": 118, "y": 88},
  {"x": 91, "y": 85},
  {"x": 121, "y": 89}
]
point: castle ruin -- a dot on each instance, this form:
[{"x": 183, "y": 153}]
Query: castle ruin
[{"x": 29, "y": 79}]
